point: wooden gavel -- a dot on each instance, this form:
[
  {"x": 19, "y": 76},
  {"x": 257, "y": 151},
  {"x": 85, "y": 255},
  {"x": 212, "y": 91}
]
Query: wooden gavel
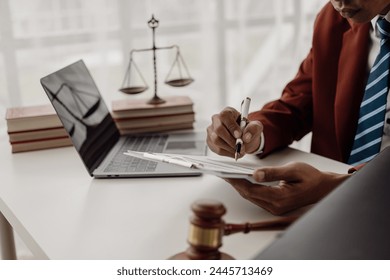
[{"x": 207, "y": 228}]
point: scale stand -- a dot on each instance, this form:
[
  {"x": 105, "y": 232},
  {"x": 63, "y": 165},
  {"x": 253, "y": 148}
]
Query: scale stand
[{"x": 127, "y": 88}]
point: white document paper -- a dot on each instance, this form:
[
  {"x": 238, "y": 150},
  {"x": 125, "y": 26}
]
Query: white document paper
[{"x": 204, "y": 164}]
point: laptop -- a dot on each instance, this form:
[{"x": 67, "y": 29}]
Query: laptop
[
  {"x": 351, "y": 223},
  {"x": 86, "y": 118}
]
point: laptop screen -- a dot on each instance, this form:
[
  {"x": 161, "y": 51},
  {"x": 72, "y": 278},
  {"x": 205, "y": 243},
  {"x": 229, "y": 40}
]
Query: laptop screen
[{"x": 82, "y": 111}]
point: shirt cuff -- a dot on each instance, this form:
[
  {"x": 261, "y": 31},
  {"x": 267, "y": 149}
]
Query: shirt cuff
[{"x": 261, "y": 147}]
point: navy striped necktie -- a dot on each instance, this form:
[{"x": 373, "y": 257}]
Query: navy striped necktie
[{"x": 369, "y": 132}]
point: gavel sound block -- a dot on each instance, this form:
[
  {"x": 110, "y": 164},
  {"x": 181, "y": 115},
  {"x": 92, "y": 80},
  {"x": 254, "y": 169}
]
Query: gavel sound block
[{"x": 207, "y": 229}]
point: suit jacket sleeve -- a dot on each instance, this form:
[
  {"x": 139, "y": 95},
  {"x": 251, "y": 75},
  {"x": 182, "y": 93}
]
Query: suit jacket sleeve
[{"x": 290, "y": 117}]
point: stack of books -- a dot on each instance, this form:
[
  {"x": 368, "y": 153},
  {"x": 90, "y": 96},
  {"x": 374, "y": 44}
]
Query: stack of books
[
  {"x": 137, "y": 116},
  {"x": 35, "y": 128}
]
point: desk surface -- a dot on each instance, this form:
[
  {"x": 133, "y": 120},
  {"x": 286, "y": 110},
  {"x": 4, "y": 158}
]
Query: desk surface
[{"x": 60, "y": 212}]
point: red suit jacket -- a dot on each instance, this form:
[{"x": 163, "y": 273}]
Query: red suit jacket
[{"x": 325, "y": 95}]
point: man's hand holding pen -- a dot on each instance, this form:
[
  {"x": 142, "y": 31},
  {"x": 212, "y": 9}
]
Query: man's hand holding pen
[
  {"x": 242, "y": 121},
  {"x": 223, "y": 132}
]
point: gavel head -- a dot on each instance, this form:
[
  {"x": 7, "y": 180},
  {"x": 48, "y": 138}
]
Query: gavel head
[
  {"x": 206, "y": 230},
  {"x": 205, "y": 233}
]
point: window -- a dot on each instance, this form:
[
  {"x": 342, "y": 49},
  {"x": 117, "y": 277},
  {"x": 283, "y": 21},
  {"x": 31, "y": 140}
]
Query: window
[{"x": 232, "y": 48}]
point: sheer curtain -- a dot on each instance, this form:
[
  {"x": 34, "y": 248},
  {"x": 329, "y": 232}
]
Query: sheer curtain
[{"x": 232, "y": 48}]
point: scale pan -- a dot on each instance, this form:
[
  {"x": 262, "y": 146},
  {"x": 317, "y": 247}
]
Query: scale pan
[
  {"x": 133, "y": 90},
  {"x": 180, "y": 82}
]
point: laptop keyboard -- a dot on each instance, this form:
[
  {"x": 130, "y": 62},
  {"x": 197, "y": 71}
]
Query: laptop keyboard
[{"x": 124, "y": 163}]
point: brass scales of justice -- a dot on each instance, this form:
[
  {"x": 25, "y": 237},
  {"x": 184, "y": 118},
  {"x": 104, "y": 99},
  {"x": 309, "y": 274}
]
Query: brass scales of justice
[{"x": 183, "y": 79}]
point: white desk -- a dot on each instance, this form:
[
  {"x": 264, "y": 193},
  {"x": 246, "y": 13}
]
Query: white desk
[{"x": 62, "y": 213}]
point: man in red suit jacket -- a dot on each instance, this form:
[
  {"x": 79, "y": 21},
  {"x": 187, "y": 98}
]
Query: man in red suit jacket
[{"x": 324, "y": 98}]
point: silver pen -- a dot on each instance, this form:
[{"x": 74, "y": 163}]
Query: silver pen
[{"x": 243, "y": 122}]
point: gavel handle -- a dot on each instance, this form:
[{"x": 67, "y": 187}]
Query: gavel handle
[{"x": 276, "y": 224}]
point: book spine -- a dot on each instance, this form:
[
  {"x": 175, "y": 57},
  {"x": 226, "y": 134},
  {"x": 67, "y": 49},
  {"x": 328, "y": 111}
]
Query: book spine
[
  {"x": 155, "y": 121},
  {"x": 37, "y": 134},
  {"x": 137, "y": 113},
  {"x": 153, "y": 129},
  {"x": 41, "y": 144},
  {"x": 32, "y": 124}
]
